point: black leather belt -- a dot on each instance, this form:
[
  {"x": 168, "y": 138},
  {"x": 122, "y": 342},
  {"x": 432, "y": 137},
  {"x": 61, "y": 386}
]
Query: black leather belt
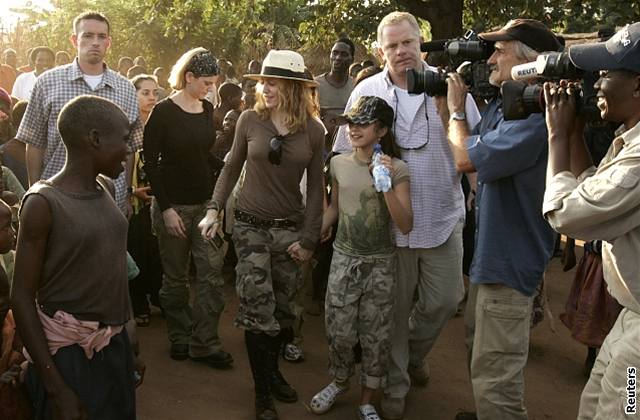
[{"x": 263, "y": 223}]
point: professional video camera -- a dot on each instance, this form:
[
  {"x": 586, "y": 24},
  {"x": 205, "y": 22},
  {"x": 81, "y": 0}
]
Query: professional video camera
[
  {"x": 521, "y": 99},
  {"x": 468, "y": 55}
]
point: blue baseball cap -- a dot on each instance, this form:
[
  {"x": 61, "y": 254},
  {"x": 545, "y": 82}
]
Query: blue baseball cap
[{"x": 620, "y": 52}]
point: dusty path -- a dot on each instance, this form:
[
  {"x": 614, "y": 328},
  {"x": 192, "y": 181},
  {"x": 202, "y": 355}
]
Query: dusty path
[{"x": 189, "y": 391}]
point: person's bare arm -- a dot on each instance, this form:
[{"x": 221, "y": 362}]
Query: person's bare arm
[
  {"x": 129, "y": 182},
  {"x": 35, "y": 223},
  {"x": 458, "y": 131},
  {"x": 34, "y": 157},
  {"x": 330, "y": 214},
  {"x": 398, "y": 200}
]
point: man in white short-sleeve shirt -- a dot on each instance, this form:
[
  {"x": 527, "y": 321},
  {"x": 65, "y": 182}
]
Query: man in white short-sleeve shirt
[{"x": 43, "y": 59}]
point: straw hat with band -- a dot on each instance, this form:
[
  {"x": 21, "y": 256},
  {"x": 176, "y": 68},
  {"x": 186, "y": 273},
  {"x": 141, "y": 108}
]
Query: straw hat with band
[{"x": 283, "y": 64}]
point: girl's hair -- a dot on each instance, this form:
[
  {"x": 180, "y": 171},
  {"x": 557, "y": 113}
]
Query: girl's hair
[
  {"x": 199, "y": 58},
  {"x": 295, "y": 101},
  {"x": 388, "y": 141},
  {"x": 137, "y": 80}
]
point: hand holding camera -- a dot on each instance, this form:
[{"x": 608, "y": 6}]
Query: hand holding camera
[{"x": 560, "y": 115}]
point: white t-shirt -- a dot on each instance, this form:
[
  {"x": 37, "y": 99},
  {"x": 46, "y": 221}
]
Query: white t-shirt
[
  {"x": 24, "y": 85},
  {"x": 93, "y": 81},
  {"x": 408, "y": 105}
]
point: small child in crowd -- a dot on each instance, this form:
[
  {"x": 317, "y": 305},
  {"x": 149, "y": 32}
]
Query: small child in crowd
[
  {"x": 360, "y": 293},
  {"x": 70, "y": 295},
  {"x": 13, "y": 400}
]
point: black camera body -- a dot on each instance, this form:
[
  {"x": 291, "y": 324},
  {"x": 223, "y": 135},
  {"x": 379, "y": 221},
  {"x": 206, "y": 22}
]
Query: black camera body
[
  {"x": 521, "y": 99},
  {"x": 458, "y": 51}
]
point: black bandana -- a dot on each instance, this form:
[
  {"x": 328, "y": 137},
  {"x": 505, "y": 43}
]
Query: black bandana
[{"x": 203, "y": 64}]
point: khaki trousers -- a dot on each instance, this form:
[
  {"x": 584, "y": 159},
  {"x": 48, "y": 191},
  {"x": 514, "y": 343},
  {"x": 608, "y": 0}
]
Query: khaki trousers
[
  {"x": 429, "y": 287},
  {"x": 499, "y": 333},
  {"x": 195, "y": 325},
  {"x": 605, "y": 397}
]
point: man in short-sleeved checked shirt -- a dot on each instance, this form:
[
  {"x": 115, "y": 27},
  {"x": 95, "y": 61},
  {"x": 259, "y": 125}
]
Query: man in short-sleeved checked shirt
[{"x": 86, "y": 75}]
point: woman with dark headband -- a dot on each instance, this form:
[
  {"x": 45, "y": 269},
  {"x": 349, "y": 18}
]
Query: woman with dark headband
[
  {"x": 177, "y": 139},
  {"x": 273, "y": 232}
]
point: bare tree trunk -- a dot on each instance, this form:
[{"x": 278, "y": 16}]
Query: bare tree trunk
[{"x": 445, "y": 16}]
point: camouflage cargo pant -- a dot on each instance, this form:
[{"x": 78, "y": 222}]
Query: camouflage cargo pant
[
  {"x": 267, "y": 278},
  {"x": 359, "y": 305}
]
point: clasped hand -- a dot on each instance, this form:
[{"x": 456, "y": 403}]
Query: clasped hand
[
  {"x": 209, "y": 224},
  {"x": 560, "y": 108}
]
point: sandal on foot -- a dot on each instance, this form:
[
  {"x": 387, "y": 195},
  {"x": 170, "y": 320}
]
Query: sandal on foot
[
  {"x": 368, "y": 412},
  {"x": 323, "y": 400}
]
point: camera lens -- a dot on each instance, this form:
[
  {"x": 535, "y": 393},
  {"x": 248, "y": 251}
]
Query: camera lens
[
  {"x": 430, "y": 82},
  {"x": 519, "y": 100}
]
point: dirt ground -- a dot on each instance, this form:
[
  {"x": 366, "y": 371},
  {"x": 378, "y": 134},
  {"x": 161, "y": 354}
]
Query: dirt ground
[{"x": 189, "y": 391}]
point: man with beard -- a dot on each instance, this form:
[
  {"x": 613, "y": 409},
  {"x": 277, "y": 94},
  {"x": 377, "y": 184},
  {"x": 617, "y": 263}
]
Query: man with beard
[
  {"x": 509, "y": 158},
  {"x": 87, "y": 74},
  {"x": 335, "y": 86}
]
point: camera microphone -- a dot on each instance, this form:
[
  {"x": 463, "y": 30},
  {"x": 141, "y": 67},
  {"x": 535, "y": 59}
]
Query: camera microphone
[
  {"x": 432, "y": 46},
  {"x": 525, "y": 71}
]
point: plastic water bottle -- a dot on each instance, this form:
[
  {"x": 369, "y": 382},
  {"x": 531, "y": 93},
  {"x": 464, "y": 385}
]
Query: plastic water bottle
[{"x": 381, "y": 176}]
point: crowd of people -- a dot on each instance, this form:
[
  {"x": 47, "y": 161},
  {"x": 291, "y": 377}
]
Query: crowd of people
[{"x": 131, "y": 189}]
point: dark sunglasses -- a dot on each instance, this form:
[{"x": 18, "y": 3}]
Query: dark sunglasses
[{"x": 275, "y": 150}]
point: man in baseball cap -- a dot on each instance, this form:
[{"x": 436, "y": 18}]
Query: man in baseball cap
[
  {"x": 588, "y": 203},
  {"x": 620, "y": 52},
  {"x": 509, "y": 159},
  {"x": 530, "y": 32}
]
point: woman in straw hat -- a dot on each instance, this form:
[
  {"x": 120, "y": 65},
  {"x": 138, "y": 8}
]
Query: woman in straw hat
[{"x": 274, "y": 231}]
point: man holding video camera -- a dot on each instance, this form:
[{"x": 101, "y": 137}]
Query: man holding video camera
[
  {"x": 513, "y": 241},
  {"x": 604, "y": 203}
]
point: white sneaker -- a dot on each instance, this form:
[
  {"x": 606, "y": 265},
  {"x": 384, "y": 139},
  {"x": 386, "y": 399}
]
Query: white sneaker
[
  {"x": 368, "y": 412},
  {"x": 323, "y": 400}
]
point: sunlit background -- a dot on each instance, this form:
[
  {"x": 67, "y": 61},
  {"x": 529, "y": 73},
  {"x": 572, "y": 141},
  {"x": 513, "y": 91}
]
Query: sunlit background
[{"x": 7, "y": 17}]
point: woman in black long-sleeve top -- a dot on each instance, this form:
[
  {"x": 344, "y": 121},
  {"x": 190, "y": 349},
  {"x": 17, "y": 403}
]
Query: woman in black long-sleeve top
[{"x": 177, "y": 140}]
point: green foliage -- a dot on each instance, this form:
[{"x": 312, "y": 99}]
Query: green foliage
[
  {"x": 329, "y": 19},
  {"x": 161, "y": 30},
  {"x": 241, "y": 30},
  {"x": 570, "y": 16}
]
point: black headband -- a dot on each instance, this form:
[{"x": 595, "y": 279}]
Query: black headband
[{"x": 203, "y": 64}]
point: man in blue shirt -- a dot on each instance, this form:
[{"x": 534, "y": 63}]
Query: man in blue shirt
[{"x": 513, "y": 241}]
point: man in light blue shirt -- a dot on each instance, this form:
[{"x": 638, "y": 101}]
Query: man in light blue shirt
[{"x": 513, "y": 241}]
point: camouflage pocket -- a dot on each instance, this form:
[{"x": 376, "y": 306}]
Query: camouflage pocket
[{"x": 343, "y": 287}]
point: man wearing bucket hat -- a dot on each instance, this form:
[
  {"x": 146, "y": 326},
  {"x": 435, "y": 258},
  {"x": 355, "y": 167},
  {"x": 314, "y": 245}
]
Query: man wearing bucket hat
[
  {"x": 274, "y": 231},
  {"x": 513, "y": 241},
  {"x": 603, "y": 203},
  {"x": 430, "y": 256}
]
